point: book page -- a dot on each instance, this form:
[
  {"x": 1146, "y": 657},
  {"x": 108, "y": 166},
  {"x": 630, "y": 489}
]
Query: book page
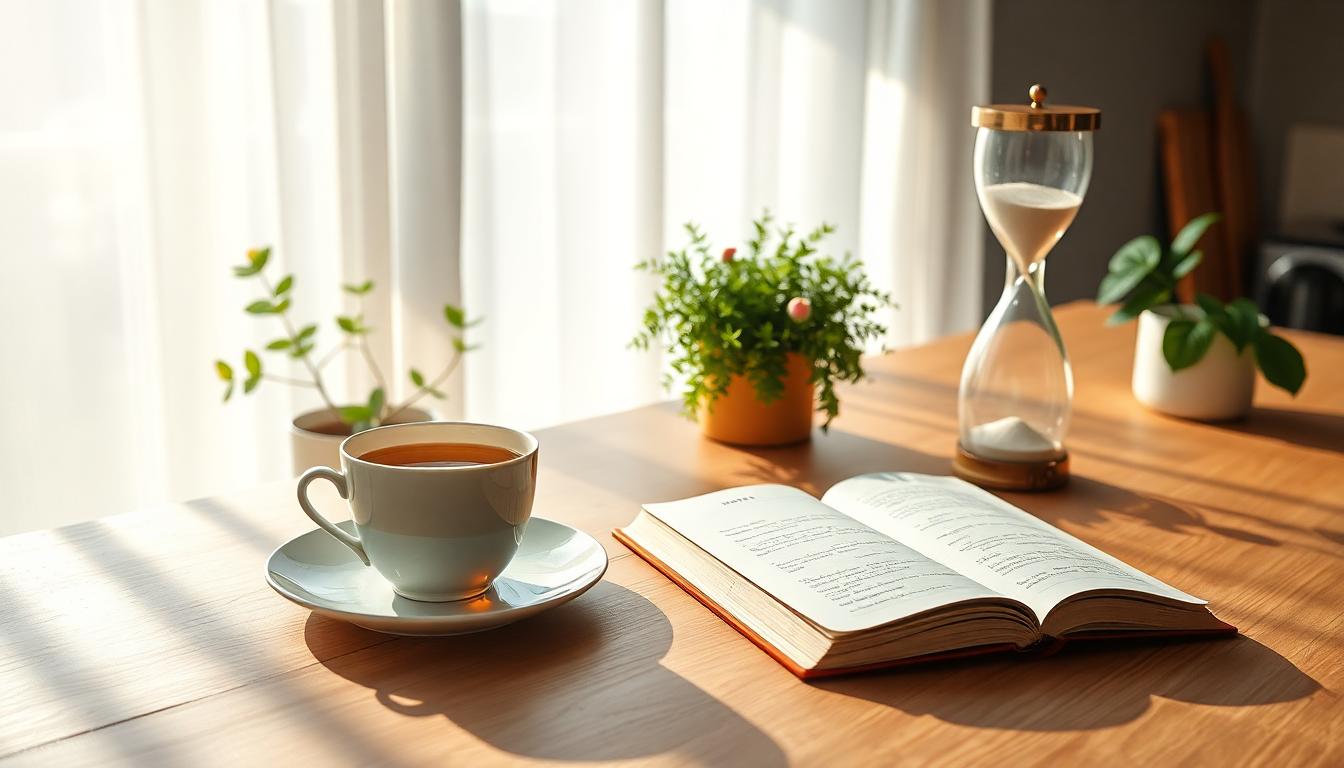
[
  {"x": 832, "y": 569},
  {"x": 988, "y": 539}
]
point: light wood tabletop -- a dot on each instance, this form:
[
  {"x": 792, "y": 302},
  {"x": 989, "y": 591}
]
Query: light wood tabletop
[{"x": 152, "y": 637}]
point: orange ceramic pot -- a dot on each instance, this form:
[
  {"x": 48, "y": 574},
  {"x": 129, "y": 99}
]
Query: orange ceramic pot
[{"x": 738, "y": 417}]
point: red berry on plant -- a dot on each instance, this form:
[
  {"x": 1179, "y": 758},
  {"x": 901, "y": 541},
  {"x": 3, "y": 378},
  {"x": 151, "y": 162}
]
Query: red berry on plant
[
  {"x": 799, "y": 309},
  {"x": 728, "y": 254}
]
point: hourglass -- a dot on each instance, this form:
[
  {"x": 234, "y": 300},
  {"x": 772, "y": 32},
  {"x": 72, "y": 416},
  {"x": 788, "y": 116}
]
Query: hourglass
[{"x": 1032, "y": 166}]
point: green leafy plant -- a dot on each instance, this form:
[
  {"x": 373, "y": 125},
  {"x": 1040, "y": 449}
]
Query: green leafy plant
[
  {"x": 724, "y": 314},
  {"x": 300, "y": 342},
  {"x": 1143, "y": 276}
]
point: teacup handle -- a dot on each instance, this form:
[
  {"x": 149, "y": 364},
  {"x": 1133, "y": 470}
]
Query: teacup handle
[{"x": 337, "y": 479}]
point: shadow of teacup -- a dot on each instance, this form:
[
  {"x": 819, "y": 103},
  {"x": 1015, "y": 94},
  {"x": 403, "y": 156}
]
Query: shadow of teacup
[{"x": 583, "y": 682}]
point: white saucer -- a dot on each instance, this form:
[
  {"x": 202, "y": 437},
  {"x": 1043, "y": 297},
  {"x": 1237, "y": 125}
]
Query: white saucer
[{"x": 554, "y": 564}]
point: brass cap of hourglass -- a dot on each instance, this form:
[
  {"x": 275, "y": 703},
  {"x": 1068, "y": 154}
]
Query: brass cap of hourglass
[
  {"x": 1033, "y": 163},
  {"x": 1036, "y": 116}
]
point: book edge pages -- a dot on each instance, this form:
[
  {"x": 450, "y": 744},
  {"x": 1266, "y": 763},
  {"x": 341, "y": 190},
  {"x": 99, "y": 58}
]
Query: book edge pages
[{"x": 778, "y": 655}]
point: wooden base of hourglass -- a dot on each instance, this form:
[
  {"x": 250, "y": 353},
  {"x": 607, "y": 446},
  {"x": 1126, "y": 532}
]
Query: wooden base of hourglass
[{"x": 1045, "y": 475}]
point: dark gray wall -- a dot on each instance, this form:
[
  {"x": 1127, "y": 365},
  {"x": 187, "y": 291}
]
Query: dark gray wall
[
  {"x": 1298, "y": 77},
  {"x": 1131, "y": 59}
]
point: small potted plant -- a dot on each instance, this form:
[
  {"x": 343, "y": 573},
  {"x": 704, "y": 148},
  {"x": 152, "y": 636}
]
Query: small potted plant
[
  {"x": 755, "y": 335},
  {"x": 1193, "y": 361},
  {"x": 315, "y": 436}
]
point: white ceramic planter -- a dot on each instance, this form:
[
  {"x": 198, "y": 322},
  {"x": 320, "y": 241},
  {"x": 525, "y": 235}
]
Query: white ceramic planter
[
  {"x": 1217, "y": 388},
  {"x": 315, "y": 442}
]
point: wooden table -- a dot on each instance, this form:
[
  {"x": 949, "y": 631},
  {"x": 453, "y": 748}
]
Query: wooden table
[{"x": 151, "y": 637}]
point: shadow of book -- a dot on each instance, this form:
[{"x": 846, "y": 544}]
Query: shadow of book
[{"x": 1091, "y": 685}]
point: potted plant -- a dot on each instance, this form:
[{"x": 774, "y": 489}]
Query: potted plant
[
  {"x": 315, "y": 436},
  {"x": 754, "y": 336},
  {"x": 1193, "y": 361}
]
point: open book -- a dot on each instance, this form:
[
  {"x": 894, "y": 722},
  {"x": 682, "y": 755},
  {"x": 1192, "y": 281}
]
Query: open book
[{"x": 893, "y": 568}]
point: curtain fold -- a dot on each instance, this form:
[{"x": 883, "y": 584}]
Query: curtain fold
[
  {"x": 424, "y": 117},
  {"x": 927, "y": 63},
  {"x": 562, "y": 163},
  {"x": 515, "y": 157},
  {"x": 145, "y": 145}
]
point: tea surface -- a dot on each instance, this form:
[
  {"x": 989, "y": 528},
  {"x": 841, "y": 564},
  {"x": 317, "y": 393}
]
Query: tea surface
[{"x": 439, "y": 455}]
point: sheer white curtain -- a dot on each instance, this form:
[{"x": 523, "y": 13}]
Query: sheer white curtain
[
  {"x": 562, "y": 195},
  {"x": 919, "y": 222},
  {"x": 145, "y": 145},
  {"x": 518, "y": 157},
  {"x": 596, "y": 128}
]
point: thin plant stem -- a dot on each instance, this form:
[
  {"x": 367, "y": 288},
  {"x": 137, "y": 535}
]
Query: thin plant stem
[
  {"x": 438, "y": 380},
  {"x": 306, "y": 358},
  {"x": 327, "y": 358},
  {"x": 373, "y": 365},
  {"x": 364, "y": 350}
]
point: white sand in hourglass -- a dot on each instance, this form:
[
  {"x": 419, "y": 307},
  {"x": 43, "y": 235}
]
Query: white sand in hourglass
[
  {"x": 1011, "y": 439},
  {"x": 1028, "y": 218}
]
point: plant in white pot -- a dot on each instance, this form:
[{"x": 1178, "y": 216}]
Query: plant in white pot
[
  {"x": 315, "y": 436},
  {"x": 1194, "y": 361}
]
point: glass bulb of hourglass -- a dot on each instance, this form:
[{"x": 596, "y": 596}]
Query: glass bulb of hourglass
[
  {"x": 1028, "y": 219},
  {"x": 1017, "y": 385}
]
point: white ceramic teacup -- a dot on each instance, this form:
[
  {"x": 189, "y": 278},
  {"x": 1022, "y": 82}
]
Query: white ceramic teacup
[{"x": 436, "y": 533}]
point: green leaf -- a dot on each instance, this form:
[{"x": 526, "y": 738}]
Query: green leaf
[
  {"x": 306, "y": 331},
  {"x": 1213, "y": 308},
  {"x": 1128, "y": 267},
  {"x": 463, "y": 347},
  {"x": 1243, "y": 322},
  {"x": 284, "y": 285},
  {"x": 347, "y": 324},
  {"x": 1188, "y": 237},
  {"x": 455, "y": 316},
  {"x": 417, "y": 378},
  {"x": 224, "y": 370},
  {"x": 376, "y": 398},
  {"x": 1186, "y": 342},
  {"x": 1115, "y": 285},
  {"x": 265, "y": 307},
  {"x": 302, "y": 349},
  {"x": 228, "y": 392},
  {"x": 358, "y": 290},
  {"x": 436, "y": 393},
  {"x": 1147, "y": 295},
  {"x": 1217, "y": 314},
  {"x": 256, "y": 261},
  {"x": 352, "y": 414},
  {"x": 251, "y": 384},
  {"x": 1142, "y": 253},
  {"x": 252, "y": 362},
  {"x": 279, "y": 344},
  {"x": 1280, "y": 361},
  {"x": 1187, "y": 264}
]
